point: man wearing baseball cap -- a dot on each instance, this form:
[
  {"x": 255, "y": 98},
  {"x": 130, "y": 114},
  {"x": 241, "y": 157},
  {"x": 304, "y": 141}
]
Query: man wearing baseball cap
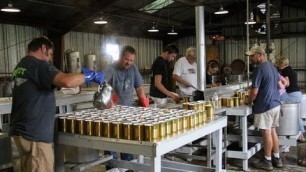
[{"x": 266, "y": 106}]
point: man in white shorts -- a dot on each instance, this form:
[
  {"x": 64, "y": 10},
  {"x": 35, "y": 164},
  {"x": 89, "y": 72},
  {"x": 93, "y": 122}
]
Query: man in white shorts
[{"x": 266, "y": 106}]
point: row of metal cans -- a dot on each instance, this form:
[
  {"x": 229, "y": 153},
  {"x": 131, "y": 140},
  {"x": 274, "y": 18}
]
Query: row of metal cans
[
  {"x": 140, "y": 127},
  {"x": 235, "y": 101}
]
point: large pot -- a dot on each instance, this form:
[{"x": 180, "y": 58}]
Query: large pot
[
  {"x": 103, "y": 96},
  {"x": 236, "y": 78},
  {"x": 303, "y": 108},
  {"x": 289, "y": 120}
]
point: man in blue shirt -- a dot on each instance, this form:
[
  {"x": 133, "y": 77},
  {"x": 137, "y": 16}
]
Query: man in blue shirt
[
  {"x": 265, "y": 97},
  {"x": 124, "y": 77}
]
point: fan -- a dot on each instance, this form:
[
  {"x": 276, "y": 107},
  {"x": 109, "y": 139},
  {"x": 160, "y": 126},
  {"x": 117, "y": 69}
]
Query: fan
[{"x": 260, "y": 18}]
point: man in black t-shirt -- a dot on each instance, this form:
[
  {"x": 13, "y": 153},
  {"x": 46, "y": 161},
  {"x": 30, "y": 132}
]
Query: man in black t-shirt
[
  {"x": 33, "y": 108},
  {"x": 160, "y": 87}
]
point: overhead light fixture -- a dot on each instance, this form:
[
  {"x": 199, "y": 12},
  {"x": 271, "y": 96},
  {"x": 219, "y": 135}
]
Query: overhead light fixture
[
  {"x": 221, "y": 11},
  {"x": 100, "y": 21},
  {"x": 10, "y": 8},
  {"x": 251, "y": 21},
  {"x": 172, "y": 32},
  {"x": 153, "y": 28}
]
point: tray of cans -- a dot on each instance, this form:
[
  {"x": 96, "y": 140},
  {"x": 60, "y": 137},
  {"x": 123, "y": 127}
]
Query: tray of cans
[{"x": 134, "y": 123}]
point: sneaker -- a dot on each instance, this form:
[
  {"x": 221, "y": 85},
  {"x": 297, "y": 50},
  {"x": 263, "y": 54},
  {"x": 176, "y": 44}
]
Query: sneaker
[
  {"x": 277, "y": 162},
  {"x": 264, "y": 164}
]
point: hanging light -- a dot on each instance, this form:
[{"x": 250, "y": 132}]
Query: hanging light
[
  {"x": 221, "y": 11},
  {"x": 251, "y": 21},
  {"x": 100, "y": 21},
  {"x": 10, "y": 8},
  {"x": 172, "y": 32},
  {"x": 153, "y": 28}
]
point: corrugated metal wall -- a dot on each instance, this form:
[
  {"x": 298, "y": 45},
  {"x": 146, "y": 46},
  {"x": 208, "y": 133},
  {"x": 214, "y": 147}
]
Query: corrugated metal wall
[
  {"x": 13, "y": 45},
  {"x": 231, "y": 49},
  {"x": 147, "y": 50}
]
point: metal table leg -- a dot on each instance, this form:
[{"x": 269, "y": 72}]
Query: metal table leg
[
  {"x": 244, "y": 128},
  {"x": 218, "y": 135},
  {"x": 208, "y": 156},
  {"x": 155, "y": 164}
]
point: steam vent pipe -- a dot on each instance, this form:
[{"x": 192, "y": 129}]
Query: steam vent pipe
[{"x": 200, "y": 41}]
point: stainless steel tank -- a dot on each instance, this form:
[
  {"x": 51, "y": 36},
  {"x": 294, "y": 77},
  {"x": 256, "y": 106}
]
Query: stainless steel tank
[
  {"x": 90, "y": 61},
  {"x": 289, "y": 120},
  {"x": 303, "y": 107},
  {"x": 72, "y": 61}
]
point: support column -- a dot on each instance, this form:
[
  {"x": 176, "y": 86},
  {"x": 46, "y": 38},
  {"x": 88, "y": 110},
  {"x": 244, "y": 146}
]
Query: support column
[{"x": 201, "y": 54}]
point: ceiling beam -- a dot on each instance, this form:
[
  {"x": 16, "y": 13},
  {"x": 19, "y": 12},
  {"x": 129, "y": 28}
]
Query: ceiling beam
[
  {"x": 207, "y": 8},
  {"x": 142, "y": 16},
  {"x": 86, "y": 13}
]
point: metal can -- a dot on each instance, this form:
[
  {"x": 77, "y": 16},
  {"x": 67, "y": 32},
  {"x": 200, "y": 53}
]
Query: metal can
[
  {"x": 185, "y": 105},
  {"x": 185, "y": 99},
  {"x": 180, "y": 124},
  {"x": 191, "y": 120},
  {"x": 71, "y": 125},
  {"x": 209, "y": 112},
  {"x": 174, "y": 124},
  {"x": 98, "y": 128},
  {"x": 204, "y": 116},
  {"x": 138, "y": 129},
  {"x": 168, "y": 127},
  {"x": 62, "y": 124},
  {"x": 186, "y": 124},
  {"x": 106, "y": 129},
  {"x": 224, "y": 101},
  {"x": 162, "y": 129},
  {"x": 128, "y": 131},
  {"x": 80, "y": 126},
  {"x": 116, "y": 130},
  {"x": 236, "y": 101},
  {"x": 192, "y": 106},
  {"x": 230, "y": 102},
  {"x": 196, "y": 118},
  {"x": 151, "y": 132},
  {"x": 89, "y": 127}
]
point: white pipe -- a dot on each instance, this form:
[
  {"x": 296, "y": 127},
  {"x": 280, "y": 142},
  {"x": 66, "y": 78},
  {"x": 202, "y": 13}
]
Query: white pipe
[{"x": 201, "y": 54}]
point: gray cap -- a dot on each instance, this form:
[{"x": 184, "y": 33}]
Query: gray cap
[{"x": 254, "y": 50}]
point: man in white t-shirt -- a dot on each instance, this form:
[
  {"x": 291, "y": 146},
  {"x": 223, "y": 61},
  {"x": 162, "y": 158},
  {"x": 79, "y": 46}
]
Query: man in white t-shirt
[{"x": 185, "y": 73}]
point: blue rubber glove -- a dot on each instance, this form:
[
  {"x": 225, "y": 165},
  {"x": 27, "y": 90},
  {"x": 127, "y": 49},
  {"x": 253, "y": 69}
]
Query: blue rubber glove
[{"x": 95, "y": 76}]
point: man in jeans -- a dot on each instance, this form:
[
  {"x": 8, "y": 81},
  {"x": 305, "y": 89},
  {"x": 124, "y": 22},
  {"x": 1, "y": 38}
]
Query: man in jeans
[{"x": 265, "y": 96}]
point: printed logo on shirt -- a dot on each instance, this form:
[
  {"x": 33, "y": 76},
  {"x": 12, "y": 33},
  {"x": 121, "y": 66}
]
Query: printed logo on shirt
[
  {"x": 19, "y": 71},
  {"x": 191, "y": 71}
]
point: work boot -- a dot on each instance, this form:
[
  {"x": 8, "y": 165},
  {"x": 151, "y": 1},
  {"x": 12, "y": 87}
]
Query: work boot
[
  {"x": 264, "y": 164},
  {"x": 277, "y": 162}
]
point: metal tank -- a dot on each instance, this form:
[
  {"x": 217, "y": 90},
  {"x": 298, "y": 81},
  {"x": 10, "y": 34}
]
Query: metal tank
[
  {"x": 289, "y": 120},
  {"x": 72, "y": 61},
  {"x": 90, "y": 61},
  {"x": 303, "y": 107}
]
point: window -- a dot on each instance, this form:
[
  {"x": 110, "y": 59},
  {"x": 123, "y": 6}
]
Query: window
[{"x": 113, "y": 50}]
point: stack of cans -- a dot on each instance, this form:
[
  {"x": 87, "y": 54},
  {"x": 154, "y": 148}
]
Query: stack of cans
[{"x": 134, "y": 123}]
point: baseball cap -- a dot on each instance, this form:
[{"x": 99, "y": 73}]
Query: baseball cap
[{"x": 254, "y": 50}]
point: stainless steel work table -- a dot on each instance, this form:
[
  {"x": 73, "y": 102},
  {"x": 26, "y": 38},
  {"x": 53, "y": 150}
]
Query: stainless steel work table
[
  {"x": 242, "y": 113},
  {"x": 63, "y": 102},
  {"x": 148, "y": 149}
]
